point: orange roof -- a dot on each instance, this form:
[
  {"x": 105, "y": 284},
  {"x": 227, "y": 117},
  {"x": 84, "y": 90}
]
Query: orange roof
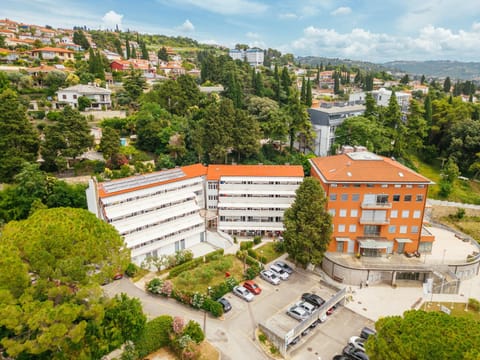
[
  {"x": 189, "y": 172},
  {"x": 215, "y": 172},
  {"x": 7, "y": 31},
  {"x": 52, "y": 49},
  {"x": 2, "y": 50},
  {"x": 364, "y": 167}
]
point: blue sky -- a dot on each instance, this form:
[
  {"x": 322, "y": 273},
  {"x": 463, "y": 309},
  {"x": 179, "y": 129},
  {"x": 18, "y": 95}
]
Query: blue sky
[{"x": 370, "y": 30}]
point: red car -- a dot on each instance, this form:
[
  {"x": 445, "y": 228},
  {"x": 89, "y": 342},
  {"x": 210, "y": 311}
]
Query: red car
[{"x": 252, "y": 286}]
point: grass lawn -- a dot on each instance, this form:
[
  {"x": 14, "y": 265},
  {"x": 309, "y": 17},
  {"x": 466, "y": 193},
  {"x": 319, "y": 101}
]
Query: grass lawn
[
  {"x": 268, "y": 250},
  {"x": 469, "y": 224},
  {"x": 209, "y": 274},
  {"x": 457, "y": 309}
]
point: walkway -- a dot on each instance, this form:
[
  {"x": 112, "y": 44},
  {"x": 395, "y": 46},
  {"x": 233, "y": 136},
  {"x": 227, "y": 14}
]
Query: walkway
[{"x": 452, "y": 204}]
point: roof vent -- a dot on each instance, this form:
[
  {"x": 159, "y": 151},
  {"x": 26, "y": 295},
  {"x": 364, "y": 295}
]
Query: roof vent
[
  {"x": 349, "y": 174},
  {"x": 400, "y": 174}
]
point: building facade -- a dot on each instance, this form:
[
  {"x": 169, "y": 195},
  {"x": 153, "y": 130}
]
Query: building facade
[
  {"x": 99, "y": 97},
  {"x": 382, "y": 98},
  {"x": 253, "y": 56},
  {"x": 377, "y": 204},
  {"x": 167, "y": 211},
  {"x": 325, "y": 119}
]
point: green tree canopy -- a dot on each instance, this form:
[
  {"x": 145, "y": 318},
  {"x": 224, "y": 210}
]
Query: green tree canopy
[
  {"x": 420, "y": 335},
  {"x": 308, "y": 225},
  {"x": 110, "y": 143}
]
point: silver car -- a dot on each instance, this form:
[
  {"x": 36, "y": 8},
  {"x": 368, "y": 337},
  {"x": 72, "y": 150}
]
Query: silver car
[
  {"x": 282, "y": 274},
  {"x": 242, "y": 292},
  {"x": 298, "y": 313},
  {"x": 270, "y": 277}
]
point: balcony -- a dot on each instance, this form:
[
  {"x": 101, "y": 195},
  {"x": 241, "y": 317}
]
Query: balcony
[
  {"x": 376, "y": 205},
  {"x": 370, "y": 221}
]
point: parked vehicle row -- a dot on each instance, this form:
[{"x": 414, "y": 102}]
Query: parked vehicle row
[
  {"x": 278, "y": 271},
  {"x": 355, "y": 349}
]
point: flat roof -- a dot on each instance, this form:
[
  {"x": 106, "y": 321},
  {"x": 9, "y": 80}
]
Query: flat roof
[{"x": 215, "y": 172}]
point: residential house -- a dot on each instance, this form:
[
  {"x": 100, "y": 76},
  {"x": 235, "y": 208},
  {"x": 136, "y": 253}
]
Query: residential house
[
  {"x": 325, "y": 119},
  {"x": 377, "y": 204},
  {"x": 19, "y": 42},
  {"x": 99, "y": 97},
  {"x": 168, "y": 211},
  {"x": 6, "y": 33},
  {"x": 136, "y": 64},
  {"x": 51, "y": 53},
  {"x": 171, "y": 68},
  {"x": 7, "y": 55},
  {"x": 382, "y": 98}
]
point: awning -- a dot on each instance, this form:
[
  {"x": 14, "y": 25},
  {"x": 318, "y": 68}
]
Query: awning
[
  {"x": 373, "y": 244},
  {"x": 342, "y": 239},
  {"x": 403, "y": 240}
]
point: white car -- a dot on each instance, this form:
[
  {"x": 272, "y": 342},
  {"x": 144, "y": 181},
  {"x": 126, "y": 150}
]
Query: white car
[
  {"x": 242, "y": 292},
  {"x": 270, "y": 277},
  {"x": 282, "y": 274},
  {"x": 307, "y": 306},
  {"x": 298, "y": 313},
  {"x": 357, "y": 342}
]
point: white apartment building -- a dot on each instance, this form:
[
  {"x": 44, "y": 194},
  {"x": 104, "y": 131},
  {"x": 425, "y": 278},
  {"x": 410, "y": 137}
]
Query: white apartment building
[
  {"x": 382, "y": 98},
  {"x": 236, "y": 54},
  {"x": 167, "y": 211},
  {"x": 254, "y": 56},
  {"x": 251, "y": 199}
]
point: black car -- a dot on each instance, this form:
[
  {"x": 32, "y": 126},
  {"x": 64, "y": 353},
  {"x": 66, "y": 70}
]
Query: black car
[
  {"x": 313, "y": 299},
  {"x": 340, "y": 357},
  {"x": 366, "y": 332},
  {"x": 225, "y": 304},
  {"x": 355, "y": 354}
]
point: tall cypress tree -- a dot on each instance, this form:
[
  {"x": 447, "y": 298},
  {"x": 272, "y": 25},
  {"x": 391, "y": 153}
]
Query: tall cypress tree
[
  {"x": 309, "y": 99},
  {"x": 447, "y": 84},
  {"x": 259, "y": 84},
  {"x": 318, "y": 76},
  {"x": 127, "y": 49},
  {"x": 276, "y": 77},
  {"x": 286, "y": 81},
  {"x": 143, "y": 47},
  {"x": 428, "y": 109},
  {"x": 133, "y": 52},
  {"x": 303, "y": 92}
]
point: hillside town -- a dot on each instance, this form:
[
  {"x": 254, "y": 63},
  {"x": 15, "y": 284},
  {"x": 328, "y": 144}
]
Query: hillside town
[{"x": 163, "y": 198}]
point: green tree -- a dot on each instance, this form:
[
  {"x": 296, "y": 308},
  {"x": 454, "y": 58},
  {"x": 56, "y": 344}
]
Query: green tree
[
  {"x": 447, "y": 85},
  {"x": 309, "y": 99},
  {"x": 118, "y": 46},
  {"x": 405, "y": 79},
  {"x": 370, "y": 106},
  {"x": 416, "y": 336},
  {"x": 19, "y": 141},
  {"x": 246, "y": 135},
  {"x": 79, "y": 38},
  {"x": 422, "y": 80},
  {"x": 110, "y": 143},
  {"x": 218, "y": 130},
  {"x": 303, "y": 91},
  {"x": 416, "y": 127},
  {"x": 133, "y": 52},
  {"x": 127, "y": 49},
  {"x": 68, "y": 138},
  {"x": 336, "y": 83},
  {"x": 84, "y": 103},
  {"x": 134, "y": 84},
  {"x": 163, "y": 54},
  {"x": 54, "y": 81},
  {"x": 428, "y": 109},
  {"x": 299, "y": 125},
  {"x": 308, "y": 225},
  {"x": 286, "y": 82},
  {"x": 52, "y": 313},
  {"x": 144, "y": 50}
]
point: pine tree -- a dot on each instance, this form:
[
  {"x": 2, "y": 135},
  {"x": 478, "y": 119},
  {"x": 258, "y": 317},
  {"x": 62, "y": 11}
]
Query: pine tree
[
  {"x": 447, "y": 84},
  {"x": 127, "y": 49},
  {"x": 259, "y": 89},
  {"x": 286, "y": 81},
  {"x": 428, "y": 109},
  {"x": 422, "y": 80},
  {"x": 336, "y": 83},
  {"x": 133, "y": 52},
  {"x": 276, "y": 78},
  {"x": 163, "y": 54},
  {"x": 309, "y": 99},
  {"x": 143, "y": 47},
  {"x": 318, "y": 75},
  {"x": 303, "y": 92}
]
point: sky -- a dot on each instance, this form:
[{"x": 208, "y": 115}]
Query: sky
[{"x": 368, "y": 30}]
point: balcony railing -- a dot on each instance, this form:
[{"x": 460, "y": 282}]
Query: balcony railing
[
  {"x": 378, "y": 205},
  {"x": 370, "y": 221}
]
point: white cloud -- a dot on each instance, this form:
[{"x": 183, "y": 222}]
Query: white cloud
[
  {"x": 230, "y": 7},
  {"x": 342, "y": 10},
  {"x": 111, "y": 19},
  {"x": 287, "y": 16},
  {"x": 187, "y": 26},
  {"x": 252, "y": 35},
  {"x": 429, "y": 43}
]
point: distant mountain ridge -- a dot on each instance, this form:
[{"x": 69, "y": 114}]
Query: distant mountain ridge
[{"x": 433, "y": 68}]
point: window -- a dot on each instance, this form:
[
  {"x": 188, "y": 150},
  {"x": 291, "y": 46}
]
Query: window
[
  {"x": 425, "y": 247},
  {"x": 370, "y": 185},
  {"x": 407, "y": 198},
  {"x": 374, "y": 216},
  {"x": 331, "y": 212},
  {"x": 398, "y": 186},
  {"x": 343, "y": 212},
  {"x": 384, "y": 185},
  {"x": 414, "y": 229},
  {"x": 355, "y": 197},
  {"x": 405, "y": 214},
  {"x": 421, "y": 186},
  {"x": 403, "y": 229},
  {"x": 344, "y": 197},
  {"x": 417, "y": 214},
  {"x": 352, "y": 228},
  {"x": 382, "y": 199},
  {"x": 341, "y": 228},
  {"x": 396, "y": 197},
  {"x": 392, "y": 229},
  {"x": 333, "y": 197},
  {"x": 354, "y": 213},
  {"x": 334, "y": 185},
  {"x": 371, "y": 230},
  {"x": 394, "y": 214},
  {"x": 64, "y": 97},
  {"x": 409, "y": 186},
  {"x": 419, "y": 198},
  {"x": 356, "y": 185},
  {"x": 74, "y": 96}
]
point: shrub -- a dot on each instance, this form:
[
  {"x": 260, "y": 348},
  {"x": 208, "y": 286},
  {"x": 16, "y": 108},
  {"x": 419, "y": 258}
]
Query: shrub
[
  {"x": 474, "y": 304},
  {"x": 183, "y": 267},
  {"x": 235, "y": 241},
  {"x": 231, "y": 283},
  {"x": 252, "y": 253},
  {"x": 279, "y": 246},
  {"x": 155, "y": 335},
  {"x": 253, "y": 271},
  {"x": 216, "y": 292},
  {"x": 131, "y": 270},
  {"x": 155, "y": 286},
  {"x": 262, "y": 337},
  {"x": 263, "y": 259},
  {"x": 195, "y": 332},
  {"x": 257, "y": 240},
  {"x": 212, "y": 306},
  {"x": 273, "y": 349},
  {"x": 214, "y": 255},
  {"x": 244, "y": 245},
  {"x": 183, "y": 256}
]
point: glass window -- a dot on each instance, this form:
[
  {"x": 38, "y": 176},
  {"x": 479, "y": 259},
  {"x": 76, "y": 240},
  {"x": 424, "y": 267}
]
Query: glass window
[
  {"x": 405, "y": 214},
  {"x": 339, "y": 246},
  {"x": 419, "y": 198},
  {"x": 352, "y": 228},
  {"x": 409, "y": 186},
  {"x": 394, "y": 214},
  {"x": 396, "y": 197},
  {"x": 407, "y": 198},
  {"x": 417, "y": 214},
  {"x": 343, "y": 212},
  {"x": 414, "y": 229},
  {"x": 344, "y": 197},
  {"x": 355, "y": 197},
  {"x": 370, "y": 185},
  {"x": 421, "y": 186},
  {"x": 334, "y": 185},
  {"x": 333, "y": 197},
  {"x": 371, "y": 230},
  {"x": 384, "y": 185},
  {"x": 332, "y": 212},
  {"x": 356, "y": 185},
  {"x": 398, "y": 186},
  {"x": 403, "y": 229},
  {"x": 354, "y": 213},
  {"x": 341, "y": 228},
  {"x": 392, "y": 229},
  {"x": 425, "y": 247}
]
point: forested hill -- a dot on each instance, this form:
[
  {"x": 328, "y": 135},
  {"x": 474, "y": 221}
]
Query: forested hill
[
  {"x": 364, "y": 65},
  {"x": 438, "y": 68}
]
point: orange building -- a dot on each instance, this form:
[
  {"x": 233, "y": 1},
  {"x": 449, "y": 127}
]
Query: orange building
[{"x": 377, "y": 204}]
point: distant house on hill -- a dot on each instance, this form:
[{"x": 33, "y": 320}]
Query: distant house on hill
[
  {"x": 50, "y": 53},
  {"x": 98, "y": 96}
]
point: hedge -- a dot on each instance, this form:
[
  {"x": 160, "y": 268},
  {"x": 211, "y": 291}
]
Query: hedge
[
  {"x": 154, "y": 336},
  {"x": 184, "y": 267},
  {"x": 214, "y": 255},
  {"x": 244, "y": 245}
]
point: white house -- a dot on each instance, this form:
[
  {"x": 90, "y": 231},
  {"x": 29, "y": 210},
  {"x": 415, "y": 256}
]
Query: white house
[
  {"x": 253, "y": 56},
  {"x": 382, "y": 98},
  {"x": 99, "y": 97},
  {"x": 167, "y": 211}
]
